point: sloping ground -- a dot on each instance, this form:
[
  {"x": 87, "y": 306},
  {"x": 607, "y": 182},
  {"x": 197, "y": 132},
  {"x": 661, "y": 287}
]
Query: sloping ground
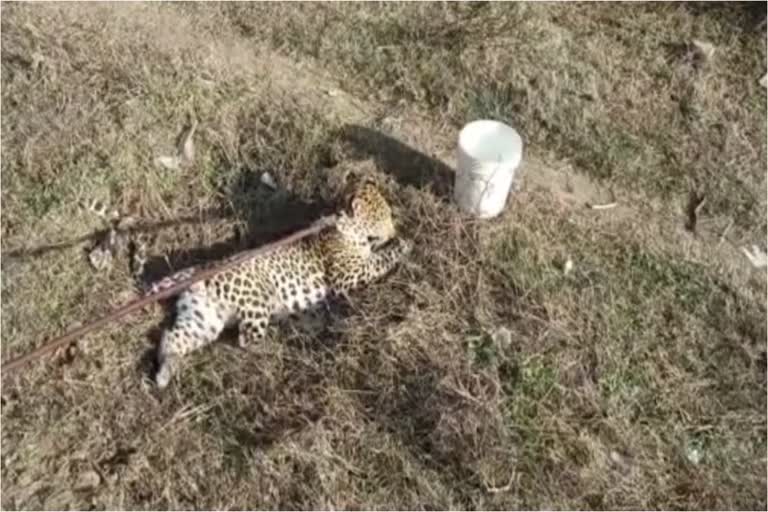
[{"x": 635, "y": 380}]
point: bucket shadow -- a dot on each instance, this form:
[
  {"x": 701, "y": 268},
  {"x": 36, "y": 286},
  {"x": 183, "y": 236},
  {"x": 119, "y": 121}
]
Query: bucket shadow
[{"x": 407, "y": 165}]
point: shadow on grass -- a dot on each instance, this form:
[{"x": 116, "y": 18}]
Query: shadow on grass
[
  {"x": 407, "y": 165},
  {"x": 147, "y": 228},
  {"x": 746, "y": 16},
  {"x": 266, "y": 215}
]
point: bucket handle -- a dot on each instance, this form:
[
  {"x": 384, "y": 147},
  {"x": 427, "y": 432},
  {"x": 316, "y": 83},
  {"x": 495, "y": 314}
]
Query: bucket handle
[{"x": 487, "y": 181}]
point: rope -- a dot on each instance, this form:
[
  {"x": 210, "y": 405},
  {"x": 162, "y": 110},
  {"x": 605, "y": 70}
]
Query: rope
[{"x": 126, "y": 309}]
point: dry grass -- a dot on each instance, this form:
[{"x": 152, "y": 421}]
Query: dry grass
[{"x": 636, "y": 380}]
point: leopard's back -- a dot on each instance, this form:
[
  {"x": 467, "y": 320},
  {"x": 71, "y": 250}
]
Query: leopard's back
[{"x": 290, "y": 279}]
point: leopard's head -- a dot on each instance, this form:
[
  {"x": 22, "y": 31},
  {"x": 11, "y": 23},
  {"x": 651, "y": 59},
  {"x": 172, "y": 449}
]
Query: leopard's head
[{"x": 369, "y": 218}]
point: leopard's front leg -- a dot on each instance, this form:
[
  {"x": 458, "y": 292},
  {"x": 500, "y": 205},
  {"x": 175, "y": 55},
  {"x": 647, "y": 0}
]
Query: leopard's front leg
[{"x": 354, "y": 274}]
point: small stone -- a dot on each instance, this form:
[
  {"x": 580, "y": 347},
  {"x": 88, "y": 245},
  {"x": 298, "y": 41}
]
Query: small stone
[
  {"x": 169, "y": 162},
  {"x": 502, "y": 337},
  {"x": 694, "y": 454},
  {"x": 37, "y": 60},
  {"x": 126, "y": 222},
  {"x": 620, "y": 461},
  {"x": 568, "y": 266},
  {"x": 704, "y": 49},
  {"x": 268, "y": 180},
  {"x": 100, "y": 258},
  {"x": 87, "y": 480}
]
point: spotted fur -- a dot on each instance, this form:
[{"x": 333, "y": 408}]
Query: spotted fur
[{"x": 290, "y": 279}]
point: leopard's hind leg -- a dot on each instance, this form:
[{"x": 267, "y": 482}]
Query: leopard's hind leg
[{"x": 200, "y": 319}]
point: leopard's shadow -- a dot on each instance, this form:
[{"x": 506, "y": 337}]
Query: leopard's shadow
[{"x": 260, "y": 215}]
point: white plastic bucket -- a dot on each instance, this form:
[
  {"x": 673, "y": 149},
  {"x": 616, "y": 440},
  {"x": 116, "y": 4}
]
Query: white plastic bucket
[{"x": 488, "y": 155}]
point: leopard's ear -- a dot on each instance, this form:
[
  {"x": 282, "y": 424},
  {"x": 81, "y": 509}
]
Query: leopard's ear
[
  {"x": 348, "y": 192},
  {"x": 353, "y": 184}
]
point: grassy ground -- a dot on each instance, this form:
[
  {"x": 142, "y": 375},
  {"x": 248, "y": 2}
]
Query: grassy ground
[{"x": 638, "y": 379}]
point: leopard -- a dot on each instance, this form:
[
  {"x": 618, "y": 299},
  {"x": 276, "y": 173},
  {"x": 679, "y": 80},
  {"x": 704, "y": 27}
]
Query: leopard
[{"x": 361, "y": 247}]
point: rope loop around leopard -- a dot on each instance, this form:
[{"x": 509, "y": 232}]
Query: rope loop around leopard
[{"x": 124, "y": 310}]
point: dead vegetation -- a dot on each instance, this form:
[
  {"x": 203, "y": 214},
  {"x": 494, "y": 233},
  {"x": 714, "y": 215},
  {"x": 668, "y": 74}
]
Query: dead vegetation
[{"x": 635, "y": 380}]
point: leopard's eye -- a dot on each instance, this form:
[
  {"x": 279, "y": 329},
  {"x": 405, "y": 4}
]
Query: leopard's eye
[{"x": 373, "y": 239}]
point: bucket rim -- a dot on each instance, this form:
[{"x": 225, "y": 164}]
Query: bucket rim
[{"x": 467, "y": 146}]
